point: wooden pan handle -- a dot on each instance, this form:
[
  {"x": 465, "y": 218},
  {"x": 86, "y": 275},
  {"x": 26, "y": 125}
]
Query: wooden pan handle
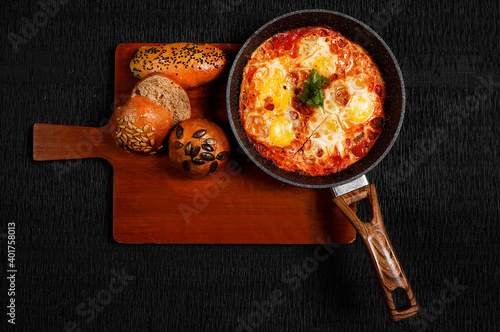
[
  {"x": 58, "y": 142},
  {"x": 389, "y": 272}
]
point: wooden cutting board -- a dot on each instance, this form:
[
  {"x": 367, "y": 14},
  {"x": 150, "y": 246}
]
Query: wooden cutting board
[{"x": 153, "y": 203}]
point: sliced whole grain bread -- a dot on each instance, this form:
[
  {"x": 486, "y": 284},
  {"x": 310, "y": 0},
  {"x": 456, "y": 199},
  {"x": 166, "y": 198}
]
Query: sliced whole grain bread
[{"x": 160, "y": 89}]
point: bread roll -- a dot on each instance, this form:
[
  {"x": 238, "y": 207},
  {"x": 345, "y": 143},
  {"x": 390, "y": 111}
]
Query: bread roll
[
  {"x": 198, "y": 147},
  {"x": 160, "y": 89},
  {"x": 140, "y": 125},
  {"x": 190, "y": 65}
]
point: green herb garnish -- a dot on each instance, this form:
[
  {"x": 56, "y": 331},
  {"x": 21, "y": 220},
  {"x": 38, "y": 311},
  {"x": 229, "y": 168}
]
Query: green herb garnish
[{"x": 312, "y": 90}]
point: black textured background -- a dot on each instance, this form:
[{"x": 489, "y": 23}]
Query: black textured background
[{"x": 438, "y": 187}]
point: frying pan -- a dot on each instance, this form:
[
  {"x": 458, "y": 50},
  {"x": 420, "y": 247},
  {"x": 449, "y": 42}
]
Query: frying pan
[{"x": 349, "y": 185}]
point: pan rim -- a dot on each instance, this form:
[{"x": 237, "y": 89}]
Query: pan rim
[{"x": 263, "y": 167}]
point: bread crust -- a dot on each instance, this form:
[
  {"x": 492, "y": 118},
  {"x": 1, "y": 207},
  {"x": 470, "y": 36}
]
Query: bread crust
[
  {"x": 190, "y": 65},
  {"x": 198, "y": 148},
  {"x": 161, "y": 89},
  {"x": 140, "y": 125}
]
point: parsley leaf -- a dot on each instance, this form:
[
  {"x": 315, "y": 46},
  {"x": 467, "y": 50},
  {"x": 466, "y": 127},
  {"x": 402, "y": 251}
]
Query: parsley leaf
[{"x": 312, "y": 92}]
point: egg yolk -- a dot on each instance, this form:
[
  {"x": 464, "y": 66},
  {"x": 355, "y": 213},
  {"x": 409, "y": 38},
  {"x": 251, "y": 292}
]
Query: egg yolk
[
  {"x": 359, "y": 84},
  {"x": 324, "y": 66},
  {"x": 280, "y": 132},
  {"x": 332, "y": 125},
  {"x": 274, "y": 87},
  {"x": 359, "y": 110}
]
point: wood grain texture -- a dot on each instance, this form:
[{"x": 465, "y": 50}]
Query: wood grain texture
[
  {"x": 388, "y": 270},
  {"x": 153, "y": 203}
]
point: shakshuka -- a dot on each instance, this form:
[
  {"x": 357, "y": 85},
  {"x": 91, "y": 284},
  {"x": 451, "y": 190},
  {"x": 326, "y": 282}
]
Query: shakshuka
[{"x": 311, "y": 101}]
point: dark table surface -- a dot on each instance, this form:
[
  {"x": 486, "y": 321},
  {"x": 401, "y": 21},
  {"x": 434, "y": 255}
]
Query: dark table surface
[{"x": 438, "y": 187}]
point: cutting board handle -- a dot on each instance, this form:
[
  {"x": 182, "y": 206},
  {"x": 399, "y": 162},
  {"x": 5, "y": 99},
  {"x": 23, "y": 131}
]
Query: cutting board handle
[
  {"x": 389, "y": 272},
  {"x": 58, "y": 142}
]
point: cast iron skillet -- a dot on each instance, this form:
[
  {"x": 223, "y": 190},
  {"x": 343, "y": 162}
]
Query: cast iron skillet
[{"x": 351, "y": 184}]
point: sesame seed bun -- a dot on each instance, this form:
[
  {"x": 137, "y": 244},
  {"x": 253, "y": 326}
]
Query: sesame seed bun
[{"x": 190, "y": 65}]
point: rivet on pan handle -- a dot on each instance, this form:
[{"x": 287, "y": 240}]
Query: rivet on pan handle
[{"x": 389, "y": 272}]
